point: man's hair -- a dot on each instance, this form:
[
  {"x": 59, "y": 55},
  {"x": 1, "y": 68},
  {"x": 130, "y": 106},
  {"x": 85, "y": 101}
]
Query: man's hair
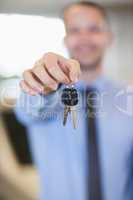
[{"x": 89, "y": 4}]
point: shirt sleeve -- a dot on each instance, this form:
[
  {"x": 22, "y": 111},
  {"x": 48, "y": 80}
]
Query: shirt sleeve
[{"x": 30, "y": 109}]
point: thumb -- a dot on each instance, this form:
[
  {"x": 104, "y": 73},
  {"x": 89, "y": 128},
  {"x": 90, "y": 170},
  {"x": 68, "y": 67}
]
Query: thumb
[{"x": 75, "y": 71}]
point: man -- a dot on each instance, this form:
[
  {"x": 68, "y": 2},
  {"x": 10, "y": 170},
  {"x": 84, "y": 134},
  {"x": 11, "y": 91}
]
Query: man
[{"x": 61, "y": 153}]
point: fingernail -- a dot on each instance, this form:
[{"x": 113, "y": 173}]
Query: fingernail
[{"x": 38, "y": 90}]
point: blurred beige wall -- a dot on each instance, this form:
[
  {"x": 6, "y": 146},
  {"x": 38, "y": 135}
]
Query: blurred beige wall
[{"x": 119, "y": 61}]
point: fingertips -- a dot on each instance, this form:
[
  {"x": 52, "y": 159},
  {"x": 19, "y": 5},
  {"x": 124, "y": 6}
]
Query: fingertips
[
  {"x": 26, "y": 88},
  {"x": 32, "y": 82}
]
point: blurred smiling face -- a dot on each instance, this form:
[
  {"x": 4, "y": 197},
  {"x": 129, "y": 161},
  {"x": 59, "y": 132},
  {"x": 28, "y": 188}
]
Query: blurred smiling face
[{"x": 87, "y": 35}]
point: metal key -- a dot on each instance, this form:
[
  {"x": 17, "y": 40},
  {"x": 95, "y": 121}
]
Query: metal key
[{"x": 70, "y": 100}]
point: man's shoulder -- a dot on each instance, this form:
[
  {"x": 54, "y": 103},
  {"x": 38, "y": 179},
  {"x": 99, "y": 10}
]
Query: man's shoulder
[{"x": 115, "y": 85}]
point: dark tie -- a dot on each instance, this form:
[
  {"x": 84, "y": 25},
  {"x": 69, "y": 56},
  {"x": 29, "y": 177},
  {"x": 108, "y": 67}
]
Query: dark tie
[{"x": 95, "y": 187}]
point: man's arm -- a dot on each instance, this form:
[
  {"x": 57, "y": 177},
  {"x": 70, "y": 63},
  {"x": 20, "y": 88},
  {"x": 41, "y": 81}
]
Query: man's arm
[{"x": 40, "y": 86}]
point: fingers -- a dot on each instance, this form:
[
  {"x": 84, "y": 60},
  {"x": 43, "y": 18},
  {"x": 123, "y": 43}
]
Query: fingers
[
  {"x": 70, "y": 67},
  {"x": 33, "y": 85},
  {"x": 53, "y": 68},
  {"x": 48, "y": 72},
  {"x": 40, "y": 72},
  {"x": 30, "y": 80},
  {"x": 26, "y": 88}
]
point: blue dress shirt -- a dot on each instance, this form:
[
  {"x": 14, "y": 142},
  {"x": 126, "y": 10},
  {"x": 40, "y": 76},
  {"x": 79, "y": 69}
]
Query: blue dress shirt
[{"x": 60, "y": 153}]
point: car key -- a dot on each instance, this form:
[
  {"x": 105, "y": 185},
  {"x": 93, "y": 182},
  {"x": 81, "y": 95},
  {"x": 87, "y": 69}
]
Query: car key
[{"x": 70, "y": 100}]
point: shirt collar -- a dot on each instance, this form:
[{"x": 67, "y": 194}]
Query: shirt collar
[{"x": 100, "y": 84}]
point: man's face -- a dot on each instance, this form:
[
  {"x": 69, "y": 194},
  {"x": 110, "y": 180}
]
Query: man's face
[{"x": 87, "y": 35}]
